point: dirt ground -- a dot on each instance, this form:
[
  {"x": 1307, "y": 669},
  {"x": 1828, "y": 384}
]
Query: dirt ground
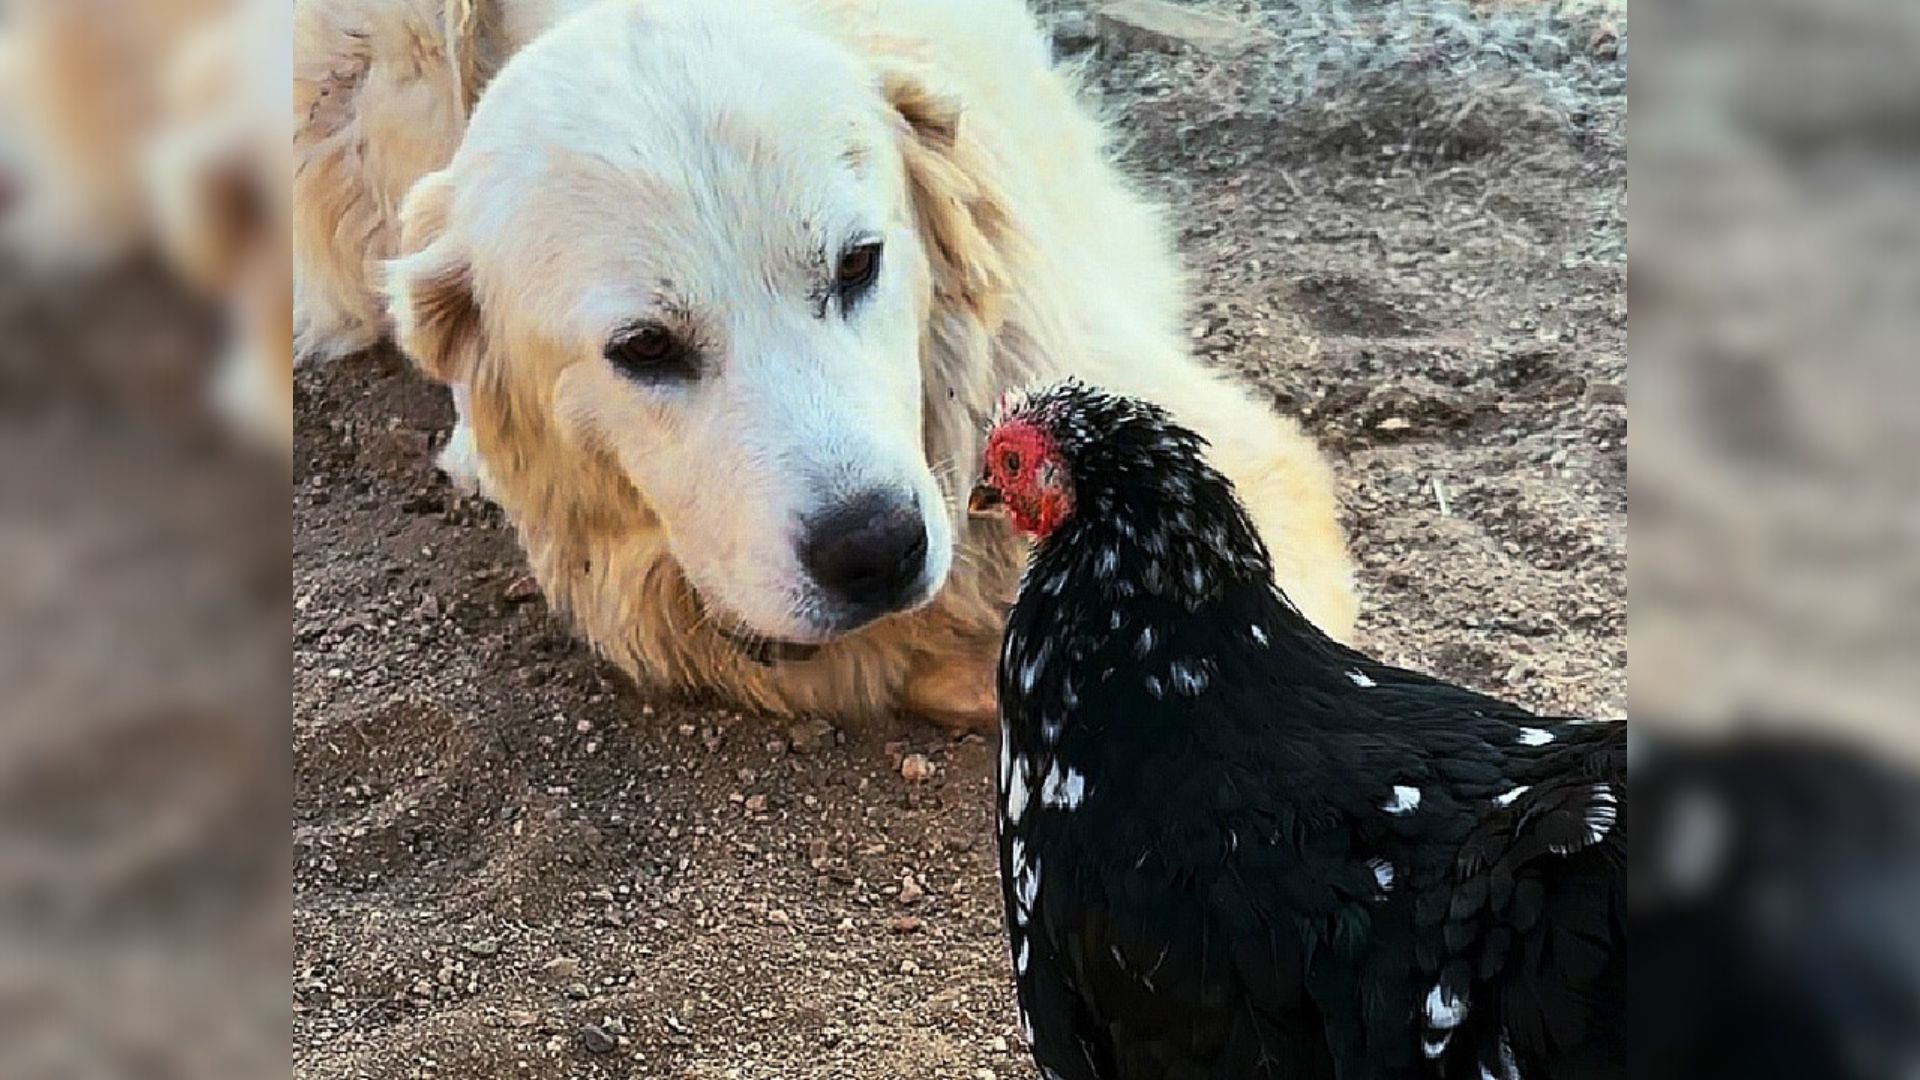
[{"x": 511, "y": 863}]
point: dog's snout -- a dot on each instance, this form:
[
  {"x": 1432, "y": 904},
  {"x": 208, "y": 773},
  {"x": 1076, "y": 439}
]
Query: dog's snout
[{"x": 869, "y": 551}]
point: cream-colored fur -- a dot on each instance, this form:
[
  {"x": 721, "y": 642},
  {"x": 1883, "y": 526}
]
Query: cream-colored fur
[
  {"x": 677, "y": 160},
  {"x": 381, "y": 92}
]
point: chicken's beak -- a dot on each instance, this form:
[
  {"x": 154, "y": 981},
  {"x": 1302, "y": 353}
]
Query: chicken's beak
[{"x": 985, "y": 501}]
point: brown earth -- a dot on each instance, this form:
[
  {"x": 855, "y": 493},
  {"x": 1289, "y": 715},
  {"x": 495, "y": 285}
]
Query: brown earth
[{"x": 509, "y": 862}]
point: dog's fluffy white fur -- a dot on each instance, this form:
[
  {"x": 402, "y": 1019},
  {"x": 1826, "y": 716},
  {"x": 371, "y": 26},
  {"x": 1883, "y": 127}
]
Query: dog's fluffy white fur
[{"x": 700, "y": 165}]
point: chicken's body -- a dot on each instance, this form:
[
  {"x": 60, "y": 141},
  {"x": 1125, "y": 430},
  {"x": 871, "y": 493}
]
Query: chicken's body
[{"x": 1232, "y": 848}]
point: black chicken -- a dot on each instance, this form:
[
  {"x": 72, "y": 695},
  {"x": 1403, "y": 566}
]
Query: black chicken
[{"x": 1233, "y": 848}]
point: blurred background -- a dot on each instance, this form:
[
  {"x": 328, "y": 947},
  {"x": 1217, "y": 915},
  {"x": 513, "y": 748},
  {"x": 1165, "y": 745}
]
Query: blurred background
[
  {"x": 144, "y": 408},
  {"x": 145, "y": 428},
  {"x": 1775, "y": 539}
]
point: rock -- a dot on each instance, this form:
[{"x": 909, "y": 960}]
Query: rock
[
  {"x": 560, "y": 969},
  {"x": 905, "y": 924},
  {"x": 810, "y": 736},
  {"x": 1606, "y": 393},
  {"x": 1073, "y": 32},
  {"x": 484, "y": 947},
  {"x": 756, "y": 804},
  {"x": 1604, "y": 42},
  {"x": 910, "y": 891},
  {"x": 915, "y": 768},
  {"x": 1164, "y": 27},
  {"x": 521, "y": 590},
  {"x": 598, "y": 1040},
  {"x": 896, "y": 751}
]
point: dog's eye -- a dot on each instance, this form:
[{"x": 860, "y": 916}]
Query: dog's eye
[
  {"x": 651, "y": 352},
  {"x": 857, "y": 269}
]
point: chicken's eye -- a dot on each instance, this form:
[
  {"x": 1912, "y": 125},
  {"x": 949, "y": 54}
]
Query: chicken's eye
[{"x": 1010, "y": 463}]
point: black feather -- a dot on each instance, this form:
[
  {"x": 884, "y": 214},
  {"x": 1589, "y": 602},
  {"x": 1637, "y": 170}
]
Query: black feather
[{"x": 1232, "y": 847}]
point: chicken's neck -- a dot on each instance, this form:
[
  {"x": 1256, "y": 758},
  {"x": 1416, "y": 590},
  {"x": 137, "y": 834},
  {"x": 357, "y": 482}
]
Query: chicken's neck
[
  {"x": 1160, "y": 584},
  {"x": 1173, "y": 532},
  {"x": 1129, "y": 627}
]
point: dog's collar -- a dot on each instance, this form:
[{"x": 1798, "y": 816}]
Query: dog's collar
[
  {"x": 768, "y": 651},
  {"x": 764, "y": 651}
]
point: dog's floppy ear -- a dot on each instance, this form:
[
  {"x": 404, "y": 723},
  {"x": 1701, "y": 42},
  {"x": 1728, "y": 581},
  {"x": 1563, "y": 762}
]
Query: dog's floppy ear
[
  {"x": 961, "y": 216},
  {"x": 430, "y": 288}
]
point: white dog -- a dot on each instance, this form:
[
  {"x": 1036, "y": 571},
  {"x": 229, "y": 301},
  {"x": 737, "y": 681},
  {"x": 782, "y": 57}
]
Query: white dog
[{"x": 731, "y": 288}]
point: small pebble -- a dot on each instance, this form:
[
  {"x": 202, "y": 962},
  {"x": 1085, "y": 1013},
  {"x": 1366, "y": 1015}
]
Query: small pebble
[
  {"x": 1073, "y": 32},
  {"x": 915, "y": 768},
  {"x": 810, "y": 736},
  {"x": 910, "y": 890},
  {"x": 598, "y": 1040}
]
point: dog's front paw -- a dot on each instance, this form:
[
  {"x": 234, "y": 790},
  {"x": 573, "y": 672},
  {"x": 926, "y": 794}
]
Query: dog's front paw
[
  {"x": 460, "y": 461},
  {"x": 955, "y": 691}
]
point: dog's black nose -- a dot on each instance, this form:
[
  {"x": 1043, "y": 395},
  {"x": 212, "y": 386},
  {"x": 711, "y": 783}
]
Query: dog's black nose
[{"x": 868, "y": 551}]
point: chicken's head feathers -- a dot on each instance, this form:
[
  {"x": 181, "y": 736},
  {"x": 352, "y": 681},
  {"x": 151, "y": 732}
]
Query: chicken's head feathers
[{"x": 1052, "y": 446}]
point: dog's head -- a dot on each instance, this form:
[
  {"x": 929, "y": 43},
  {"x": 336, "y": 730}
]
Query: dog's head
[{"x": 703, "y": 249}]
